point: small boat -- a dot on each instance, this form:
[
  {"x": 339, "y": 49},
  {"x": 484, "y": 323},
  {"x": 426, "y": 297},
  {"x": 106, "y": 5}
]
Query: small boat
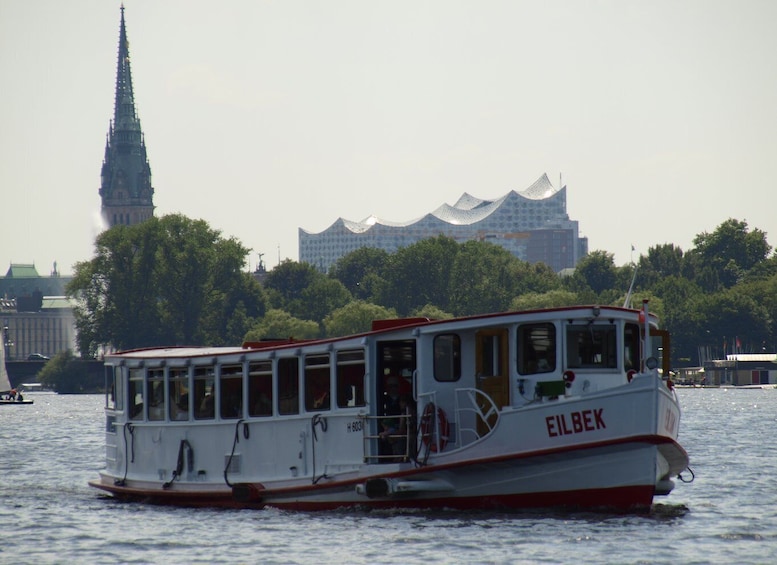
[
  {"x": 8, "y": 394},
  {"x": 556, "y": 408},
  {"x": 17, "y": 400}
]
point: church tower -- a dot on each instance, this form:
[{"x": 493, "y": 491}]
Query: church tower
[{"x": 125, "y": 189}]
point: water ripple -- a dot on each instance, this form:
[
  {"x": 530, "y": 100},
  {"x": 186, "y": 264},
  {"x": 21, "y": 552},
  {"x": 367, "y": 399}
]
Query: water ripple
[{"x": 727, "y": 515}]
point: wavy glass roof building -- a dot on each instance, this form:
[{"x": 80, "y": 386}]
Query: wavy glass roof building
[{"x": 532, "y": 224}]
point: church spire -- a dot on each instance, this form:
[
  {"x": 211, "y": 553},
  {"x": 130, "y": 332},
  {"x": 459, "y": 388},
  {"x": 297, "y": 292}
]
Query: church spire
[
  {"x": 124, "y": 105},
  {"x": 126, "y": 190}
]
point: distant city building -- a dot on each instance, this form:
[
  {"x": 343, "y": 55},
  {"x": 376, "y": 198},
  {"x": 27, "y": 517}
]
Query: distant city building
[
  {"x": 36, "y": 317},
  {"x": 741, "y": 369},
  {"x": 532, "y": 224},
  {"x": 22, "y": 281},
  {"x": 126, "y": 190}
]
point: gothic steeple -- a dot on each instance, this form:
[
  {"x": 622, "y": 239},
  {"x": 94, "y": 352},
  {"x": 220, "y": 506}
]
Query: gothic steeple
[{"x": 125, "y": 189}]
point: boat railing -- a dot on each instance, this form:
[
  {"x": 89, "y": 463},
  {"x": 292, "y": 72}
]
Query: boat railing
[
  {"x": 474, "y": 405},
  {"x": 401, "y": 445}
]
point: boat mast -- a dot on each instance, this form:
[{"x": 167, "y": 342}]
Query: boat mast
[{"x": 646, "y": 343}]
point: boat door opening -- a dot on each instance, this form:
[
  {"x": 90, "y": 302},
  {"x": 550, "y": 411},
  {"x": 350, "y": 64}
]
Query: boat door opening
[
  {"x": 491, "y": 366},
  {"x": 396, "y": 371}
]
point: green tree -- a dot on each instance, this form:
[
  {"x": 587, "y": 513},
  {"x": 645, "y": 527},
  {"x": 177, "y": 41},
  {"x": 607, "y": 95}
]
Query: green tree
[
  {"x": 556, "y": 298},
  {"x": 166, "y": 281},
  {"x": 322, "y": 297},
  {"x": 485, "y": 277},
  {"x": 354, "y": 318},
  {"x": 731, "y": 250},
  {"x": 764, "y": 270},
  {"x": 660, "y": 262},
  {"x": 116, "y": 291},
  {"x": 681, "y": 316},
  {"x": 66, "y": 374},
  {"x": 432, "y": 312},
  {"x": 238, "y": 325},
  {"x": 419, "y": 274},
  {"x": 734, "y": 316},
  {"x": 596, "y": 272},
  {"x": 286, "y": 285},
  {"x": 357, "y": 270},
  {"x": 764, "y": 291},
  {"x": 236, "y": 299},
  {"x": 279, "y": 324}
]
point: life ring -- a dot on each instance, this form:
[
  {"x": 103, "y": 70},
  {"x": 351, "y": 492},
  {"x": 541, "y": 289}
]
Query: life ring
[{"x": 428, "y": 428}]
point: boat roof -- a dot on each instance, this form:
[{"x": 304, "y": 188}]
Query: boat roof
[{"x": 378, "y": 327}]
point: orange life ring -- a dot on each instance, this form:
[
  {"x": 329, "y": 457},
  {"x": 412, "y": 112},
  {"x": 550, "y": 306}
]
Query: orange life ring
[{"x": 428, "y": 428}]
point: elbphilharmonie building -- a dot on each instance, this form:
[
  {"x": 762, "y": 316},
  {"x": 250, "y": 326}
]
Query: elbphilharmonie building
[{"x": 532, "y": 224}]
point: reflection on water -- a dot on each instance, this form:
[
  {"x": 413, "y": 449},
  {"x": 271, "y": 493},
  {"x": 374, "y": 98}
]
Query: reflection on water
[{"x": 49, "y": 450}]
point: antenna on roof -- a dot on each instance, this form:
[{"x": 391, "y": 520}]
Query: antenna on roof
[{"x": 627, "y": 302}]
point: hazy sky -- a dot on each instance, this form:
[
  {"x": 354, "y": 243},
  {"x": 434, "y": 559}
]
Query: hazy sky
[{"x": 262, "y": 117}]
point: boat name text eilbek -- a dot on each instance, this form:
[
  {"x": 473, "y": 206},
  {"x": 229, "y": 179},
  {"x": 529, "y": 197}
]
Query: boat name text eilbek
[{"x": 575, "y": 422}]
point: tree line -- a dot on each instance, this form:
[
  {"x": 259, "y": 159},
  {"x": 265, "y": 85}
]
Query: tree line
[{"x": 176, "y": 281}]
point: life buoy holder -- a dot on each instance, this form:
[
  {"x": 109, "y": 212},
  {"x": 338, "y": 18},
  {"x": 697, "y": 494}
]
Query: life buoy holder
[{"x": 429, "y": 429}]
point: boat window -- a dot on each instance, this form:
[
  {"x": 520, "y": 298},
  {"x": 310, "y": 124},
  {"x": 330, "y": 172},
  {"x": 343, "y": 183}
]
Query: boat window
[
  {"x": 114, "y": 397},
  {"x": 231, "y": 391},
  {"x": 204, "y": 403},
  {"x": 591, "y": 345},
  {"x": 631, "y": 343},
  {"x": 447, "y": 357},
  {"x": 260, "y": 388},
  {"x": 136, "y": 393},
  {"x": 317, "y": 383},
  {"x": 288, "y": 385},
  {"x": 536, "y": 348},
  {"x": 156, "y": 394},
  {"x": 179, "y": 393},
  {"x": 350, "y": 378}
]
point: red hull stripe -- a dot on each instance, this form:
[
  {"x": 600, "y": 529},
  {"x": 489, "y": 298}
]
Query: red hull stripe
[{"x": 632, "y": 498}]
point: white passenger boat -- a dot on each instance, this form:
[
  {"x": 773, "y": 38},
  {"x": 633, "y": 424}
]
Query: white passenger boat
[{"x": 548, "y": 408}]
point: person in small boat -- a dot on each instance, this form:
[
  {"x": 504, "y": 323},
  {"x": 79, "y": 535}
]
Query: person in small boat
[{"x": 19, "y": 397}]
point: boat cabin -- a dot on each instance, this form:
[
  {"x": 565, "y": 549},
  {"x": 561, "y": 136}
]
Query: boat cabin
[{"x": 455, "y": 378}]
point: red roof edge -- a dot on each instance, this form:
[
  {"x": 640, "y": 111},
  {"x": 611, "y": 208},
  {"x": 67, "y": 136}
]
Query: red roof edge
[{"x": 378, "y": 325}]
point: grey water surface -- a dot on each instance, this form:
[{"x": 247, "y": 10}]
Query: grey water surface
[{"x": 48, "y": 514}]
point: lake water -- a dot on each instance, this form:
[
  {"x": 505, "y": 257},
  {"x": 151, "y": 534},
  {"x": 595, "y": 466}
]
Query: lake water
[{"x": 48, "y": 514}]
